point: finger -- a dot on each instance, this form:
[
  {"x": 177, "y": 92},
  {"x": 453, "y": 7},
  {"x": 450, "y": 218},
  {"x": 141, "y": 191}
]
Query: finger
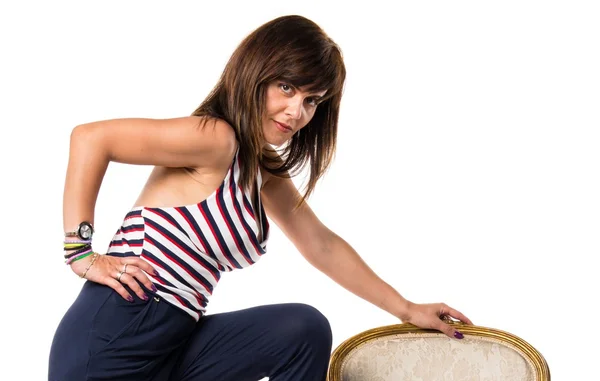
[
  {"x": 141, "y": 264},
  {"x": 133, "y": 285},
  {"x": 141, "y": 276},
  {"x": 118, "y": 287},
  {"x": 448, "y": 330},
  {"x": 459, "y": 315}
]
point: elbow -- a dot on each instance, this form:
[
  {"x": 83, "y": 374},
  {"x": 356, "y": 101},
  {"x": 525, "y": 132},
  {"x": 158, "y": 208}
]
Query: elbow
[
  {"x": 81, "y": 132},
  {"x": 78, "y": 134},
  {"x": 84, "y": 138}
]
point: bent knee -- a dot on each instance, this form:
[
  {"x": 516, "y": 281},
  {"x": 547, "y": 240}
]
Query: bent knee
[{"x": 306, "y": 324}]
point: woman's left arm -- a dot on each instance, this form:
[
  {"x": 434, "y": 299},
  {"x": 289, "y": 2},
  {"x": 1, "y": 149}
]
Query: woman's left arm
[{"x": 332, "y": 255}]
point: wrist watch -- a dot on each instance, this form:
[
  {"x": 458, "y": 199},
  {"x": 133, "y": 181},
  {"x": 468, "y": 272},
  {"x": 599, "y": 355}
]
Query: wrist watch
[{"x": 85, "y": 231}]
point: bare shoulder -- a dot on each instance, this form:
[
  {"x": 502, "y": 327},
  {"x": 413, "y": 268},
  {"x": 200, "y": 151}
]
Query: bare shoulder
[
  {"x": 221, "y": 134},
  {"x": 175, "y": 142}
]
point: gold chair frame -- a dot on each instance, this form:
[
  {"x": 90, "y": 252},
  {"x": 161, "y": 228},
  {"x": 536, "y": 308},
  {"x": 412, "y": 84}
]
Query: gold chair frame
[{"x": 533, "y": 356}]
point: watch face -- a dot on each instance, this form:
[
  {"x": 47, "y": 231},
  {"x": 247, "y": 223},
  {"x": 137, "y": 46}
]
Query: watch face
[{"x": 85, "y": 231}]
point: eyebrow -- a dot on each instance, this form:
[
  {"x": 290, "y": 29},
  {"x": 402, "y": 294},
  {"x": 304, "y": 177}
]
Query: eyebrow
[
  {"x": 319, "y": 97},
  {"x": 315, "y": 96}
]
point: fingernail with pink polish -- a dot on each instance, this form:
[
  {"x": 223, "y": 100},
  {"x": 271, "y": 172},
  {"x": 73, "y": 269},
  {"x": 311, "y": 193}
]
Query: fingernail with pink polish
[
  {"x": 153, "y": 288},
  {"x": 458, "y": 335},
  {"x": 130, "y": 298}
]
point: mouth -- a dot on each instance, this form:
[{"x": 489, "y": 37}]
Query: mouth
[{"x": 283, "y": 127}]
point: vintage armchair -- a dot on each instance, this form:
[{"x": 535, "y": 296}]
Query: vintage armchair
[{"x": 404, "y": 352}]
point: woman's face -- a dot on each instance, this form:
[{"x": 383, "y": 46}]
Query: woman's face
[{"x": 288, "y": 110}]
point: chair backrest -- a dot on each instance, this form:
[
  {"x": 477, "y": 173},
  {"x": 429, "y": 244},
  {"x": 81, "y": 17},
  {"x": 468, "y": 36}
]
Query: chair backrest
[{"x": 404, "y": 352}]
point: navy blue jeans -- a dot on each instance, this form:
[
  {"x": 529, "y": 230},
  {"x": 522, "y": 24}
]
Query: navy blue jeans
[{"x": 104, "y": 337}]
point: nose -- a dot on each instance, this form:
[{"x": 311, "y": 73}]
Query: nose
[{"x": 294, "y": 108}]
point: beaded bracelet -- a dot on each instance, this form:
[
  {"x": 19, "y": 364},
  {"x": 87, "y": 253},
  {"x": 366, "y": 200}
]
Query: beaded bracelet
[
  {"x": 77, "y": 252},
  {"x": 71, "y": 257},
  {"x": 95, "y": 256},
  {"x": 77, "y": 241}
]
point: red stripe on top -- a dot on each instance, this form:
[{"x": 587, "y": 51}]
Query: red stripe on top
[
  {"x": 185, "y": 250},
  {"x": 212, "y": 230},
  {"x": 233, "y": 237},
  {"x": 204, "y": 248},
  {"x": 170, "y": 256},
  {"x": 241, "y": 218}
]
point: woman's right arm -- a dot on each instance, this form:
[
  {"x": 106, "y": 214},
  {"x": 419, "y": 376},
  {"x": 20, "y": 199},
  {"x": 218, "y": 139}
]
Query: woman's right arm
[{"x": 177, "y": 142}]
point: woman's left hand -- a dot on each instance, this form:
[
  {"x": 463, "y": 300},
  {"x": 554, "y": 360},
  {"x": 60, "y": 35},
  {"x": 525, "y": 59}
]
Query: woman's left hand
[{"x": 430, "y": 316}]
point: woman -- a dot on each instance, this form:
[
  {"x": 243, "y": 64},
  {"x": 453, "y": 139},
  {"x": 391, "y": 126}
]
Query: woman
[{"x": 203, "y": 211}]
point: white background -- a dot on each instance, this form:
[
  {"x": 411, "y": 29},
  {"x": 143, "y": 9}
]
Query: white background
[{"x": 467, "y": 169}]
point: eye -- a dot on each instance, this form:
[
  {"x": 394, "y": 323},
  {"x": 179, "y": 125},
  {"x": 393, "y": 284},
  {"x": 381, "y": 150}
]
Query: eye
[
  {"x": 312, "y": 101},
  {"x": 285, "y": 87}
]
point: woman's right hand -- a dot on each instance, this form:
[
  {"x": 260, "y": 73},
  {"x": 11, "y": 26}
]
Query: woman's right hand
[{"x": 107, "y": 269}]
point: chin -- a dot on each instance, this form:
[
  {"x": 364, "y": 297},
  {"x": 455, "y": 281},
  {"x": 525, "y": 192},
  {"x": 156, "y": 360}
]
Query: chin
[{"x": 276, "y": 141}]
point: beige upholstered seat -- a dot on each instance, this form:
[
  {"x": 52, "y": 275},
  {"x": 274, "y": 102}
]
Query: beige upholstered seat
[{"x": 404, "y": 352}]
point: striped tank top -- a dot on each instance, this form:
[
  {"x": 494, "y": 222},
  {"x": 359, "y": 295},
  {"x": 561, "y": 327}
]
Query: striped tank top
[{"x": 191, "y": 246}]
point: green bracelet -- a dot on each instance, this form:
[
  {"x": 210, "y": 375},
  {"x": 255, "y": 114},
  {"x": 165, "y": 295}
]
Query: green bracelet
[{"x": 83, "y": 256}]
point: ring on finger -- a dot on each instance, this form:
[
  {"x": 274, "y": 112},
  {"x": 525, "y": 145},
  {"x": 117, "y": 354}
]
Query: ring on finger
[
  {"x": 125, "y": 268},
  {"x": 119, "y": 276}
]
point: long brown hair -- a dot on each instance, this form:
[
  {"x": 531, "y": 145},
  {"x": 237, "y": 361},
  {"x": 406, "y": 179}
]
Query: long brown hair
[{"x": 297, "y": 51}]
